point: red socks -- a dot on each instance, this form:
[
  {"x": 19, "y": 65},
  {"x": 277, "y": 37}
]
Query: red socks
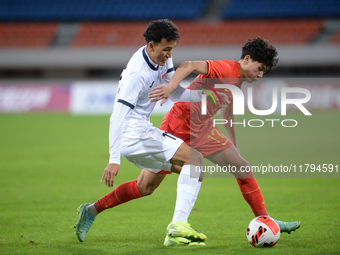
[
  {"x": 123, "y": 193},
  {"x": 252, "y": 194},
  {"x": 128, "y": 191}
]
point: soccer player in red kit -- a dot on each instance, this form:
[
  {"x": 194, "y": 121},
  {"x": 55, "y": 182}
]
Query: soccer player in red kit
[{"x": 186, "y": 121}]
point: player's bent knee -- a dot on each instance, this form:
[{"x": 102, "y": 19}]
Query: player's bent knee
[
  {"x": 241, "y": 163},
  {"x": 245, "y": 163},
  {"x": 243, "y": 169},
  {"x": 147, "y": 182},
  {"x": 196, "y": 158},
  {"x": 147, "y": 190}
]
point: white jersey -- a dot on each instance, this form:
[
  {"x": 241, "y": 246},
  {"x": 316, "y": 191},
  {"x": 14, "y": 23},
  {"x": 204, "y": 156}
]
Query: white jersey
[
  {"x": 138, "y": 78},
  {"x": 132, "y": 108},
  {"x": 130, "y": 119}
]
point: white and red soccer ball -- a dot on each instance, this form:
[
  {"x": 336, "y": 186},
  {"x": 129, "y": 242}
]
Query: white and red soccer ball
[{"x": 263, "y": 231}]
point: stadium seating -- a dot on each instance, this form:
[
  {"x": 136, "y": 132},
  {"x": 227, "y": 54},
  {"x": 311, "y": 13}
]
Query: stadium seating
[
  {"x": 237, "y": 31},
  {"x": 193, "y": 33},
  {"x": 247, "y": 9},
  {"x": 80, "y": 10},
  {"x": 104, "y": 34},
  {"x": 336, "y": 38},
  {"x": 23, "y": 35},
  {"x": 104, "y": 23}
]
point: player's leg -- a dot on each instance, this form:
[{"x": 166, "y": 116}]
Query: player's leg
[
  {"x": 216, "y": 147},
  {"x": 248, "y": 185},
  {"x": 161, "y": 151},
  {"x": 182, "y": 210},
  {"x": 245, "y": 178},
  {"x": 146, "y": 183},
  {"x": 158, "y": 150},
  {"x": 186, "y": 138},
  {"x": 188, "y": 184},
  {"x": 177, "y": 169}
]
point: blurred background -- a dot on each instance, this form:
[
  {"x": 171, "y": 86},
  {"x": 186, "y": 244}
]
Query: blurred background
[{"x": 66, "y": 55}]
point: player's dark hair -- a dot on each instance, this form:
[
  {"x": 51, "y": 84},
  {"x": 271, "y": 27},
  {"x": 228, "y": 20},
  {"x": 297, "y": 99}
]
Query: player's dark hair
[
  {"x": 159, "y": 29},
  {"x": 262, "y": 51}
]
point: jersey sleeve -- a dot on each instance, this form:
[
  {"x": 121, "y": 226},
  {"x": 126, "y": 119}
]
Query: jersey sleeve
[
  {"x": 170, "y": 71},
  {"x": 209, "y": 68},
  {"x": 181, "y": 94},
  {"x": 219, "y": 69},
  {"x": 129, "y": 88},
  {"x": 115, "y": 131}
]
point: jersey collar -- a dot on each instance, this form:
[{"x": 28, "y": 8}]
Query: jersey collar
[{"x": 150, "y": 63}]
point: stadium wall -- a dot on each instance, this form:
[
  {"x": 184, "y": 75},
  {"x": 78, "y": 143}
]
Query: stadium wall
[
  {"x": 118, "y": 57},
  {"x": 98, "y": 97}
]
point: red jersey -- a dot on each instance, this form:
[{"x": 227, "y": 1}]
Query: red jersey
[{"x": 185, "y": 119}]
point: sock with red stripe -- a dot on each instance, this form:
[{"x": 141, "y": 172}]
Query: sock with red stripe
[
  {"x": 252, "y": 194},
  {"x": 123, "y": 193}
]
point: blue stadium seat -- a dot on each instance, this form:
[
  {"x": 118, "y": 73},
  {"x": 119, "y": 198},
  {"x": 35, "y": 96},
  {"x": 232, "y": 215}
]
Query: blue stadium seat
[
  {"x": 246, "y": 9},
  {"x": 81, "y": 10}
]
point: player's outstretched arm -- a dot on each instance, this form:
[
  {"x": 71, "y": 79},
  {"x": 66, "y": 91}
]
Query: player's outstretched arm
[
  {"x": 115, "y": 132},
  {"x": 109, "y": 174},
  {"x": 164, "y": 91}
]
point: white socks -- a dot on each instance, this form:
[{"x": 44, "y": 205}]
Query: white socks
[
  {"x": 195, "y": 196},
  {"x": 187, "y": 191},
  {"x": 92, "y": 210}
]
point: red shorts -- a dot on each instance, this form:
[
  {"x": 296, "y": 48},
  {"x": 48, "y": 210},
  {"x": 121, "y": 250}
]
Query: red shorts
[{"x": 210, "y": 140}]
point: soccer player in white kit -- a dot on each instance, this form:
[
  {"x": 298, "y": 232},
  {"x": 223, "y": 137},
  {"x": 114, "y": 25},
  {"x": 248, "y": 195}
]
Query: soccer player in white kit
[{"x": 132, "y": 135}]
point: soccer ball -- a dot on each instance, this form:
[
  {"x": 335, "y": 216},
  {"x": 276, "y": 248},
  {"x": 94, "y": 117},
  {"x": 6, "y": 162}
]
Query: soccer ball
[{"x": 263, "y": 231}]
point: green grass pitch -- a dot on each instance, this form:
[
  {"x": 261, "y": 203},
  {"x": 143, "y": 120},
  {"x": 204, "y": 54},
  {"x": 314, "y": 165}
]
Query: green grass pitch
[{"x": 52, "y": 163}]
